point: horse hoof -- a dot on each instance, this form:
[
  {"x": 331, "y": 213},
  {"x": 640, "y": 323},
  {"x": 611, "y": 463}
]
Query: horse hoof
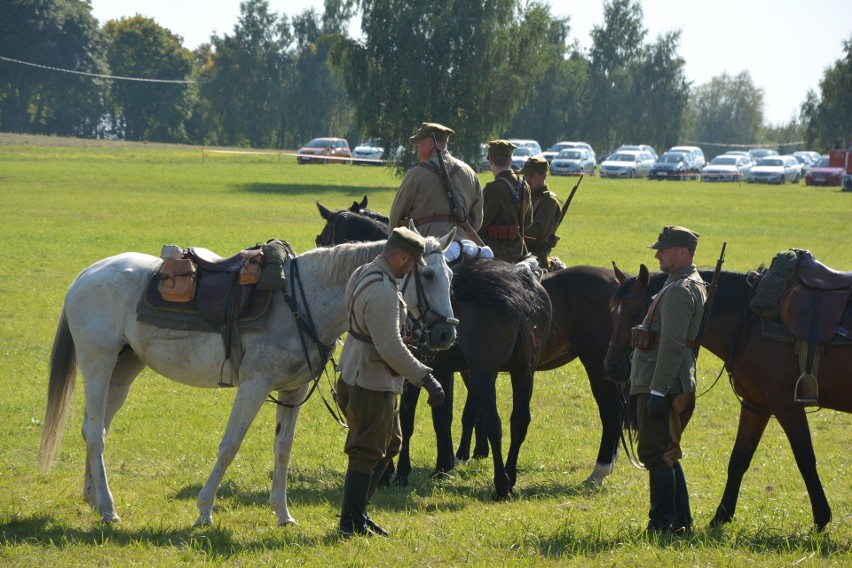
[
  {"x": 401, "y": 480},
  {"x": 286, "y": 521},
  {"x": 203, "y": 521},
  {"x": 503, "y": 497},
  {"x": 440, "y": 474},
  {"x": 111, "y": 517}
]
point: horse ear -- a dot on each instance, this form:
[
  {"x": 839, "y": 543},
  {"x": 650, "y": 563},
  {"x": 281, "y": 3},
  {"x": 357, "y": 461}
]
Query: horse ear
[
  {"x": 620, "y": 277},
  {"x": 447, "y": 239},
  {"x": 644, "y": 275},
  {"x": 412, "y": 226},
  {"x": 363, "y": 204},
  {"x": 326, "y": 213}
]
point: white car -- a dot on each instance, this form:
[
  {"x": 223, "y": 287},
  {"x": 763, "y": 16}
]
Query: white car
[
  {"x": 627, "y": 164},
  {"x": 533, "y": 145},
  {"x": 573, "y": 162},
  {"x": 775, "y": 169},
  {"x": 727, "y": 167},
  {"x": 554, "y": 150},
  {"x": 369, "y": 152}
]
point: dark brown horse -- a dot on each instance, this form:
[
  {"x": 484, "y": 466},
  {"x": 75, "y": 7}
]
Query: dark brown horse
[
  {"x": 580, "y": 328},
  {"x": 763, "y": 373}
]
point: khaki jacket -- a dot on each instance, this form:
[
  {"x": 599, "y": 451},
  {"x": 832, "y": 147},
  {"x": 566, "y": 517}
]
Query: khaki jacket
[
  {"x": 547, "y": 211},
  {"x": 669, "y": 366},
  {"x": 500, "y": 209},
  {"x": 422, "y": 195},
  {"x": 377, "y": 314}
]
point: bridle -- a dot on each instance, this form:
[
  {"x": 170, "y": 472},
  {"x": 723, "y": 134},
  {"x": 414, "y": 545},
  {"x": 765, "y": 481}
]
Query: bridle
[{"x": 421, "y": 335}]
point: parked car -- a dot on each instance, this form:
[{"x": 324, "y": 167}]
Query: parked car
[
  {"x": 628, "y": 164},
  {"x": 727, "y": 167},
  {"x": 632, "y": 147},
  {"x": 823, "y": 174},
  {"x": 520, "y": 156},
  {"x": 554, "y": 150},
  {"x": 672, "y": 165},
  {"x": 532, "y": 145},
  {"x": 775, "y": 169},
  {"x": 758, "y": 153},
  {"x": 573, "y": 162},
  {"x": 804, "y": 161},
  {"x": 814, "y": 156},
  {"x": 323, "y": 151},
  {"x": 372, "y": 151},
  {"x": 695, "y": 157}
]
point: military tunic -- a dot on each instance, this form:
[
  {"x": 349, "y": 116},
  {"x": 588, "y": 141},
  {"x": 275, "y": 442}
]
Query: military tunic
[
  {"x": 547, "y": 212},
  {"x": 422, "y": 196},
  {"x": 373, "y": 363},
  {"x": 500, "y": 216}
]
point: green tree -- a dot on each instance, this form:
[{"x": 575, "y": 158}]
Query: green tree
[
  {"x": 615, "y": 45},
  {"x": 244, "y": 88},
  {"x": 148, "y": 110},
  {"x": 828, "y": 116},
  {"x": 465, "y": 63},
  {"x": 726, "y": 111},
  {"x": 61, "y": 34}
]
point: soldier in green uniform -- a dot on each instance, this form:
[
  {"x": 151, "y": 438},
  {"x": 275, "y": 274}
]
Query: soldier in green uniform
[
  {"x": 422, "y": 195},
  {"x": 373, "y": 363},
  {"x": 663, "y": 377},
  {"x": 540, "y": 236},
  {"x": 507, "y": 208}
]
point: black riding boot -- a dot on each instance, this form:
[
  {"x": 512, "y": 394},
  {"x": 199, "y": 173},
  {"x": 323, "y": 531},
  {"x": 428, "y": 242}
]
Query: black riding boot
[
  {"x": 375, "y": 481},
  {"x": 683, "y": 516},
  {"x": 355, "y": 494},
  {"x": 662, "y": 513}
]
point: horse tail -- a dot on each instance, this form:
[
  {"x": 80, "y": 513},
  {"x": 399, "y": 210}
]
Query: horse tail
[{"x": 60, "y": 392}]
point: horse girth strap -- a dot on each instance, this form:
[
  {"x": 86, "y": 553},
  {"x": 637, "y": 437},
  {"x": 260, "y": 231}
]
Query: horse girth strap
[{"x": 305, "y": 325}]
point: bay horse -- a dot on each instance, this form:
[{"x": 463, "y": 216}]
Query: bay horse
[
  {"x": 580, "y": 327},
  {"x": 99, "y": 332},
  {"x": 763, "y": 374}
]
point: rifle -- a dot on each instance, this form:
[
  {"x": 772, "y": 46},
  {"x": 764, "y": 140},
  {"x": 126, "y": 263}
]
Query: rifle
[
  {"x": 708, "y": 305},
  {"x": 455, "y": 208},
  {"x": 570, "y": 197}
]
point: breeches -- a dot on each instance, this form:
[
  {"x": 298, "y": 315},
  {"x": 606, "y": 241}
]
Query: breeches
[
  {"x": 659, "y": 439},
  {"x": 375, "y": 434}
]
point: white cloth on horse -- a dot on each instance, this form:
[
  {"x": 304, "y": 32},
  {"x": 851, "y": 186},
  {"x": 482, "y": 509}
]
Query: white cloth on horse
[{"x": 468, "y": 248}]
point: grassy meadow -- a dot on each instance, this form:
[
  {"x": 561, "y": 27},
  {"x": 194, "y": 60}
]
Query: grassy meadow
[{"x": 68, "y": 203}]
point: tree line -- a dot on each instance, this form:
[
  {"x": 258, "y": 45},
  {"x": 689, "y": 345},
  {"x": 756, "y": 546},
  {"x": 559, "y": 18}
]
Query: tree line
[{"x": 487, "y": 68}]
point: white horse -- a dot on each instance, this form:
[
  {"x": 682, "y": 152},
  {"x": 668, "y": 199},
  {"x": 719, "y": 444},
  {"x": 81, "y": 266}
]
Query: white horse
[{"x": 98, "y": 331}]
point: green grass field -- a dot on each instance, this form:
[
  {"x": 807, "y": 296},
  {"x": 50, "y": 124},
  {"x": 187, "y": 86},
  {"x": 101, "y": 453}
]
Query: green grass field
[{"x": 68, "y": 203}]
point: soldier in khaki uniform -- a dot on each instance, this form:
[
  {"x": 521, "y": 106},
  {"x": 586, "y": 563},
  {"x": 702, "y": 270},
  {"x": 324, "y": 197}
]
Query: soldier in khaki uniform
[
  {"x": 540, "y": 236},
  {"x": 373, "y": 363},
  {"x": 507, "y": 209},
  {"x": 663, "y": 378},
  {"x": 422, "y": 195}
]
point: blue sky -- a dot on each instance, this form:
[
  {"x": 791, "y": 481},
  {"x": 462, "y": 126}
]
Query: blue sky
[{"x": 785, "y": 45}]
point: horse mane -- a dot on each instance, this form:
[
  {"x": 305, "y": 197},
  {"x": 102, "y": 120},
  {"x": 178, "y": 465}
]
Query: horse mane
[
  {"x": 499, "y": 285},
  {"x": 340, "y": 261}
]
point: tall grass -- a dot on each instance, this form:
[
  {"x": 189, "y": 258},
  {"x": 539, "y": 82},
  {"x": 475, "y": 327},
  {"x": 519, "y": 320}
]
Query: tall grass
[{"x": 66, "y": 204}]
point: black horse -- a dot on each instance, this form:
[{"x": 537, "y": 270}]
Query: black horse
[{"x": 581, "y": 326}]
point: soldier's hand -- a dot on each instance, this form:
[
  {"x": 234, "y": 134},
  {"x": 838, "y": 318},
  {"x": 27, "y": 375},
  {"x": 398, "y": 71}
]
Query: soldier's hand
[
  {"x": 658, "y": 407},
  {"x": 435, "y": 390}
]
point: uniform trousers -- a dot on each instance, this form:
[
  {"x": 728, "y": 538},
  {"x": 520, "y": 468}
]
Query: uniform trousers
[{"x": 375, "y": 434}]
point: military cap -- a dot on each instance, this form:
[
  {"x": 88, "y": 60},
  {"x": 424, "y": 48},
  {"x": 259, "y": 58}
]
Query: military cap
[
  {"x": 442, "y": 133},
  {"x": 674, "y": 236},
  {"x": 409, "y": 241},
  {"x": 500, "y": 149},
  {"x": 536, "y": 165}
]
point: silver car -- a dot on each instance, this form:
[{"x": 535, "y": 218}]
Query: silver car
[
  {"x": 727, "y": 167},
  {"x": 573, "y": 162},
  {"x": 627, "y": 164},
  {"x": 775, "y": 169}
]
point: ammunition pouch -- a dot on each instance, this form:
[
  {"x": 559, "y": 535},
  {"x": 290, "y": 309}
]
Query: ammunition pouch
[{"x": 642, "y": 337}]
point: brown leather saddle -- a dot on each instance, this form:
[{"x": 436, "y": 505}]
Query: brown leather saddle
[{"x": 816, "y": 306}]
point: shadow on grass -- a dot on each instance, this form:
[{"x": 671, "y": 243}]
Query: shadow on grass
[
  {"x": 304, "y": 189},
  {"x": 212, "y": 541}
]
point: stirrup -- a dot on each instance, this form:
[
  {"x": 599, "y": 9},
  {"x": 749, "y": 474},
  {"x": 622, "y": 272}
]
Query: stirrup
[{"x": 807, "y": 390}]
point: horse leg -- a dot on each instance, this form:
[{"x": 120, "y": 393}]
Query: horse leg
[
  {"x": 484, "y": 390},
  {"x": 442, "y": 421},
  {"x": 285, "y": 428},
  {"x": 250, "y": 397},
  {"x": 522, "y": 387},
  {"x": 124, "y": 373},
  {"x": 793, "y": 419},
  {"x": 97, "y": 365},
  {"x": 611, "y": 411},
  {"x": 751, "y": 427},
  {"x": 471, "y": 423},
  {"x": 407, "y": 408}
]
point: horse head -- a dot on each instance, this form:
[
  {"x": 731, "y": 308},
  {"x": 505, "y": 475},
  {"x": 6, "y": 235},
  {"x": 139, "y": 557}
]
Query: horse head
[
  {"x": 346, "y": 226},
  {"x": 628, "y": 307},
  {"x": 428, "y": 298}
]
